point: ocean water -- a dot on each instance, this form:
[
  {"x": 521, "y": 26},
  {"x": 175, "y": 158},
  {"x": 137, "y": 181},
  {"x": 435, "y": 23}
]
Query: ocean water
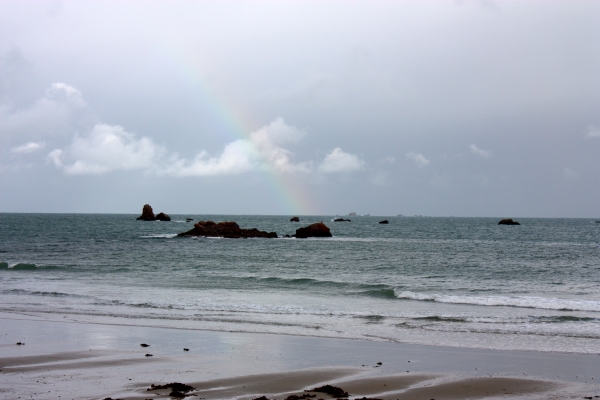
[{"x": 464, "y": 282}]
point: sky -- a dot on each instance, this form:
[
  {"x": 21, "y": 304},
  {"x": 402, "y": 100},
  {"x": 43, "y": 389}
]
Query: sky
[{"x": 438, "y": 108}]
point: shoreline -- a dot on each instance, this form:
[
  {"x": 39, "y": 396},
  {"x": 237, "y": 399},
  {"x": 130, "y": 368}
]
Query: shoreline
[{"x": 96, "y": 360}]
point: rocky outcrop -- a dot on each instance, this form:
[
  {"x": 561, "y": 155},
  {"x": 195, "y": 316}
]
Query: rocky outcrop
[
  {"x": 225, "y": 229},
  {"x": 294, "y": 219},
  {"x": 341, "y": 220},
  {"x": 385, "y": 221},
  {"x": 508, "y": 221},
  {"x": 315, "y": 230},
  {"x": 147, "y": 214},
  {"x": 162, "y": 217}
]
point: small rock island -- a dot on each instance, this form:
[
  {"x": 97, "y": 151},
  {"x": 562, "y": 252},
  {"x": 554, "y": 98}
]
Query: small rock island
[
  {"x": 508, "y": 221},
  {"x": 227, "y": 229},
  {"x": 315, "y": 230},
  {"x": 148, "y": 215}
]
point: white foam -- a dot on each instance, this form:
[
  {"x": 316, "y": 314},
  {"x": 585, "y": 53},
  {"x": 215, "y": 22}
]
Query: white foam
[
  {"x": 160, "y": 236},
  {"x": 517, "y": 301}
]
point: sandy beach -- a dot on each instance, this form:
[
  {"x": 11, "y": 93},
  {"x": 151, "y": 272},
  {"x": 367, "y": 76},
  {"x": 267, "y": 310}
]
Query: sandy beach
[{"x": 63, "y": 358}]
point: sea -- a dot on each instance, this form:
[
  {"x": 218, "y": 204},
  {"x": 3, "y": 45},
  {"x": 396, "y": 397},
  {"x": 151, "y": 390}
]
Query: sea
[{"x": 460, "y": 282}]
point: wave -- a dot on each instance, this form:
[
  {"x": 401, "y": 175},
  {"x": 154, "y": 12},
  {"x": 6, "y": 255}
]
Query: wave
[
  {"x": 522, "y": 301},
  {"x": 18, "y": 266},
  {"x": 385, "y": 293},
  {"x": 41, "y": 293},
  {"x": 160, "y": 236}
]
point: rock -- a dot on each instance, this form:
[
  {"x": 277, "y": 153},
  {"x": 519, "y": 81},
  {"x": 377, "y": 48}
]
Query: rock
[
  {"x": 144, "y": 345},
  {"x": 186, "y": 349},
  {"x": 333, "y": 391},
  {"x": 508, "y": 221},
  {"x": 294, "y": 219},
  {"x": 315, "y": 230},
  {"x": 229, "y": 230},
  {"x": 163, "y": 217},
  {"x": 147, "y": 213},
  {"x": 341, "y": 220},
  {"x": 352, "y": 214},
  {"x": 20, "y": 344},
  {"x": 149, "y": 355},
  {"x": 385, "y": 221},
  {"x": 189, "y": 219},
  {"x": 175, "y": 386}
]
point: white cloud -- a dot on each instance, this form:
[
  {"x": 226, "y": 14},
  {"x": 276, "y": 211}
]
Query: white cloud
[
  {"x": 419, "y": 159},
  {"x": 340, "y": 161},
  {"x": 107, "y": 148},
  {"x": 53, "y": 114},
  {"x": 592, "y": 132},
  {"x": 62, "y": 92},
  {"x": 262, "y": 150},
  {"x": 27, "y": 148},
  {"x": 110, "y": 148},
  {"x": 480, "y": 152}
]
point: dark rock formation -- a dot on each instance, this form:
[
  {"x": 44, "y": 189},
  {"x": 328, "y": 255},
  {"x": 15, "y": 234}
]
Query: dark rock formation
[
  {"x": 163, "y": 217},
  {"x": 385, "y": 221},
  {"x": 175, "y": 386},
  {"x": 508, "y": 221},
  {"x": 341, "y": 220},
  {"x": 147, "y": 214},
  {"x": 225, "y": 229},
  {"x": 295, "y": 219},
  {"x": 333, "y": 391},
  {"x": 315, "y": 230},
  {"x": 189, "y": 219},
  {"x": 302, "y": 397}
]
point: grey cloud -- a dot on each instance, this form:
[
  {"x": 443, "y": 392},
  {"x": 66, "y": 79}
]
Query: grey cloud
[{"x": 418, "y": 158}]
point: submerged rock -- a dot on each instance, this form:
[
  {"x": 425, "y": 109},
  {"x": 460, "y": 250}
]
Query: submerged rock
[
  {"x": 315, "y": 230},
  {"x": 228, "y": 229},
  {"x": 508, "y": 221}
]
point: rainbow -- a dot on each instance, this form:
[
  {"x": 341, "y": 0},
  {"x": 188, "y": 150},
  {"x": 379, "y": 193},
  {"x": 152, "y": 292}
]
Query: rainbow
[{"x": 239, "y": 123}]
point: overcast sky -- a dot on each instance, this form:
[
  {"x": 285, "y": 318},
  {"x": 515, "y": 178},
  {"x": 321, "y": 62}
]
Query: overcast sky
[{"x": 442, "y": 108}]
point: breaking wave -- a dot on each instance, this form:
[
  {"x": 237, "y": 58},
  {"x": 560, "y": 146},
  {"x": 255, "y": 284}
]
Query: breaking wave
[{"x": 521, "y": 301}]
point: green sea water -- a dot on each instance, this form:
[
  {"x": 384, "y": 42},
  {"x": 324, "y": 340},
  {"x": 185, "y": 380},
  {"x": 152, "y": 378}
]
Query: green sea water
[{"x": 464, "y": 282}]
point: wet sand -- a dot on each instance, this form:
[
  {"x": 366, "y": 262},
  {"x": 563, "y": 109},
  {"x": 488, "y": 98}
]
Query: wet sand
[{"x": 65, "y": 359}]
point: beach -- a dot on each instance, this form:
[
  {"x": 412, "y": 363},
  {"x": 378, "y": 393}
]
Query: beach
[{"x": 64, "y": 358}]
